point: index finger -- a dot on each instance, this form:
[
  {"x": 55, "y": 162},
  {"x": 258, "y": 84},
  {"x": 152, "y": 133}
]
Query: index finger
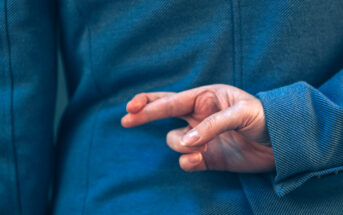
[
  {"x": 140, "y": 100},
  {"x": 175, "y": 105}
]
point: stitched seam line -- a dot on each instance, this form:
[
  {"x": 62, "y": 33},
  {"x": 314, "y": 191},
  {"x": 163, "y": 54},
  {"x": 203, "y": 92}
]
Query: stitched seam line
[
  {"x": 240, "y": 43},
  {"x": 233, "y": 43},
  {"x": 99, "y": 90},
  {"x": 83, "y": 210},
  {"x": 12, "y": 107},
  {"x": 95, "y": 120},
  {"x": 91, "y": 60},
  {"x": 90, "y": 56},
  {"x": 236, "y": 40},
  {"x": 245, "y": 194}
]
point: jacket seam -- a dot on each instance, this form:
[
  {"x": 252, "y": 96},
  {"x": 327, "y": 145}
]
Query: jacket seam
[
  {"x": 97, "y": 87},
  {"x": 90, "y": 56},
  {"x": 93, "y": 127},
  {"x": 240, "y": 44},
  {"x": 89, "y": 152},
  {"x": 245, "y": 194},
  {"x": 11, "y": 75},
  {"x": 236, "y": 43}
]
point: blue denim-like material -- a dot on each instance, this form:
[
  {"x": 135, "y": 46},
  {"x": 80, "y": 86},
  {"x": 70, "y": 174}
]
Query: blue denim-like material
[
  {"x": 27, "y": 100},
  {"x": 288, "y": 53}
]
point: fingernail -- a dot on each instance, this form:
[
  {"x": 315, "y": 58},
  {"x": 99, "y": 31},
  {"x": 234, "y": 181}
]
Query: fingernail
[
  {"x": 190, "y": 138},
  {"x": 195, "y": 159}
]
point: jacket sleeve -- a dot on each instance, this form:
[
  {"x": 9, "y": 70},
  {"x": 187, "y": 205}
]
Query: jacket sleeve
[{"x": 306, "y": 131}]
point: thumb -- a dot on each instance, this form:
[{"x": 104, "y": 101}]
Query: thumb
[{"x": 229, "y": 119}]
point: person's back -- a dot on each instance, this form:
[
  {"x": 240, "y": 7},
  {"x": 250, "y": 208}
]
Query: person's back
[
  {"x": 116, "y": 49},
  {"x": 113, "y": 50}
]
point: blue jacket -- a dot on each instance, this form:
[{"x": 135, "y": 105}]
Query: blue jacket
[{"x": 288, "y": 53}]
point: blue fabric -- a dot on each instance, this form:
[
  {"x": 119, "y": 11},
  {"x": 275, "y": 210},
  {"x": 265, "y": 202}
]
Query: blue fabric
[
  {"x": 27, "y": 100},
  {"x": 288, "y": 53},
  {"x": 314, "y": 147}
]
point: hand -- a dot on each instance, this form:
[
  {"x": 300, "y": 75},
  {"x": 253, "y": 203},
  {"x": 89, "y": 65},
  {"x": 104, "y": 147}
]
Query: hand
[{"x": 227, "y": 129}]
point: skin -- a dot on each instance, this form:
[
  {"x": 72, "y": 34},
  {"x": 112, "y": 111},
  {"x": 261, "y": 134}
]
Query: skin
[{"x": 227, "y": 128}]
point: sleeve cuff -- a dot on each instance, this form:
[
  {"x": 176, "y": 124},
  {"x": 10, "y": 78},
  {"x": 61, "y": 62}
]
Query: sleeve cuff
[{"x": 299, "y": 118}]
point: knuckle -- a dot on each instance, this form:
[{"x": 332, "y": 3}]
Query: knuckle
[
  {"x": 210, "y": 122},
  {"x": 248, "y": 111},
  {"x": 243, "y": 108},
  {"x": 241, "y": 105}
]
